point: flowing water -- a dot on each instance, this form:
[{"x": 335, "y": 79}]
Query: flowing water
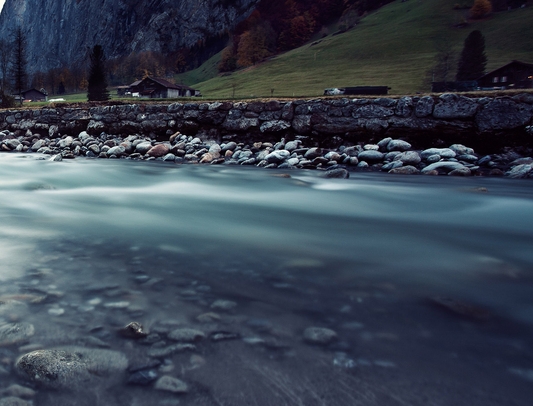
[{"x": 427, "y": 282}]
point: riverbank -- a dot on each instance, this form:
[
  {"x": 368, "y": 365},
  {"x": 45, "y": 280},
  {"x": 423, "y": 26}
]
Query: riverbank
[
  {"x": 394, "y": 156},
  {"x": 446, "y": 134}
]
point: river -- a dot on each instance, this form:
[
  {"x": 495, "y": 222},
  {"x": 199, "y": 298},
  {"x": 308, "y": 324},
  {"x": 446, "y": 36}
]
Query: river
[{"x": 426, "y": 281}]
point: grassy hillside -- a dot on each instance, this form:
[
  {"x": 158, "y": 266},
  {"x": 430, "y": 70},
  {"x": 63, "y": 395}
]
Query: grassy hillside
[{"x": 394, "y": 46}]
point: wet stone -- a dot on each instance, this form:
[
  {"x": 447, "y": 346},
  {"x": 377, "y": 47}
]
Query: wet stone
[
  {"x": 225, "y": 305},
  {"x": 161, "y": 352},
  {"x": 13, "y": 401},
  {"x": 140, "y": 364},
  {"x": 337, "y": 173},
  {"x": 461, "y": 308},
  {"x": 142, "y": 377},
  {"x": 319, "y": 335},
  {"x": 133, "y": 330},
  {"x": 260, "y": 325},
  {"x": 209, "y": 317},
  {"x": 224, "y": 335},
  {"x": 171, "y": 384},
  {"x": 13, "y": 333},
  {"x": 72, "y": 367},
  {"x": 20, "y": 391},
  {"x": 187, "y": 335}
]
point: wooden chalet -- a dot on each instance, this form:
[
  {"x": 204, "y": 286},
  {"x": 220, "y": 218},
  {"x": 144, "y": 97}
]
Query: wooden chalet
[
  {"x": 514, "y": 75},
  {"x": 158, "y": 88},
  {"x": 34, "y": 95}
]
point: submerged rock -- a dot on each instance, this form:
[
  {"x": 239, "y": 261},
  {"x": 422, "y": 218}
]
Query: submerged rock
[
  {"x": 14, "y": 401},
  {"x": 14, "y": 333},
  {"x": 72, "y": 367},
  {"x": 133, "y": 330},
  {"x": 461, "y": 308},
  {"x": 187, "y": 335},
  {"x": 171, "y": 384},
  {"x": 319, "y": 335},
  {"x": 223, "y": 305},
  {"x": 337, "y": 173}
]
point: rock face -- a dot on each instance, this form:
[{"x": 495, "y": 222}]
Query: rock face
[{"x": 59, "y": 33}]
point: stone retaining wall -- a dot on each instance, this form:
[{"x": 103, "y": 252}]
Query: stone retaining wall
[{"x": 324, "y": 121}]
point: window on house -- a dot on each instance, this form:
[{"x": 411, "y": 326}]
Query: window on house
[
  {"x": 504, "y": 79},
  {"x": 495, "y": 79}
]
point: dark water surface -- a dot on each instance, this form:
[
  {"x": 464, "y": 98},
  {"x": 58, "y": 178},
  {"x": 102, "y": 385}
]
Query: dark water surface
[{"x": 427, "y": 281}]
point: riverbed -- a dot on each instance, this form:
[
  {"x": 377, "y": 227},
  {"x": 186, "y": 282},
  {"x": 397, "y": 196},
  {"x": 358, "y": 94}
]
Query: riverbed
[{"x": 425, "y": 282}]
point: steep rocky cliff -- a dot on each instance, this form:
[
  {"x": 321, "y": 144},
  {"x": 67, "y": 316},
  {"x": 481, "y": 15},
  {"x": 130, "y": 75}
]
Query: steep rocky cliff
[{"x": 60, "y": 32}]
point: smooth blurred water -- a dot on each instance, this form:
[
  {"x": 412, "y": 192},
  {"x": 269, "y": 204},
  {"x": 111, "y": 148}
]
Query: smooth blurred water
[{"x": 466, "y": 238}]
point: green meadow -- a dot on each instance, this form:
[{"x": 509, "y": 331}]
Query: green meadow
[{"x": 394, "y": 46}]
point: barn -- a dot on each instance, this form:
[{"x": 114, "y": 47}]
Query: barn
[{"x": 514, "y": 75}]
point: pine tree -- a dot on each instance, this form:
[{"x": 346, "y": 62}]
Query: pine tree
[
  {"x": 18, "y": 64},
  {"x": 473, "y": 60},
  {"x": 97, "y": 86}
]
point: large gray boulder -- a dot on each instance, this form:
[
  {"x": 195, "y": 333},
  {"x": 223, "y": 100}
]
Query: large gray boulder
[
  {"x": 446, "y": 166},
  {"x": 503, "y": 114},
  {"x": 452, "y": 106}
]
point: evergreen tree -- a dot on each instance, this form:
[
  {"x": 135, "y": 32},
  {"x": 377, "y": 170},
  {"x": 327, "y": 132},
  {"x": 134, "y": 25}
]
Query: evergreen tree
[
  {"x": 5, "y": 57},
  {"x": 97, "y": 87},
  {"x": 473, "y": 60},
  {"x": 18, "y": 64}
]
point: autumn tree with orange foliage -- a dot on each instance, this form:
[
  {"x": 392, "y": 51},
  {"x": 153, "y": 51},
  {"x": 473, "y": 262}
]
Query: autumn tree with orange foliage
[
  {"x": 255, "y": 45},
  {"x": 480, "y": 9}
]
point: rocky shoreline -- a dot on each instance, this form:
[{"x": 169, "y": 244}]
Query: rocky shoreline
[{"x": 395, "y": 156}]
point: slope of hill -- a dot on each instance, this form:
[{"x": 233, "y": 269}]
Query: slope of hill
[{"x": 395, "y": 46}]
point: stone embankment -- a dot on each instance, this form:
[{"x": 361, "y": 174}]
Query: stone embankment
[{"x": 335, "y": 134}]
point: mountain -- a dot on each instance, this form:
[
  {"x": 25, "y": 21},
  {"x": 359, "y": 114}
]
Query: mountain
[{"x": 59, "y": 33}]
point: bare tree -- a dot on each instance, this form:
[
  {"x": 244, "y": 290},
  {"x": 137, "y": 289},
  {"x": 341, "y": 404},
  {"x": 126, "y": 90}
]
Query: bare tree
[{"x": 445, "y": 61}]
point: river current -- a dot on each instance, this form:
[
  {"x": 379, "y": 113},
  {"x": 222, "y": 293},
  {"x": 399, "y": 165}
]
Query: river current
[{"x": 426, "y": 281}]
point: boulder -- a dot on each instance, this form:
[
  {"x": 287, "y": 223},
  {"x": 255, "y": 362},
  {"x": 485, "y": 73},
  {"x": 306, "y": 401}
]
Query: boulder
[
  {"x": 424, "y": 106},
  {"x": 405, "y": 170},
  {"x": 274, "y": 126},
  {"x": 446, "y": 166},
  {"x": 452, "y": 106},
  {"x": 277, "y": 156},
  {"x": 398, "y": 145},
  {"x": 442, "y": 152},
  {"x": 158, "y": 151},
  {"x": 143, "y": 147},
  {"x": 370, "y": 156},
  {"x": 408, "y": 158},
  {"x": 337, "y": 173},
  {"x": 503, "y": 114}
]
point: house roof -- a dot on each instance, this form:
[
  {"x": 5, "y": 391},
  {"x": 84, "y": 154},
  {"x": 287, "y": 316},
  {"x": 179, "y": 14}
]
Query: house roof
[
  {"x": 163, "y": 82},
  {"x": 524, "y": 64},
  {"x": 35, "y": 90}
]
